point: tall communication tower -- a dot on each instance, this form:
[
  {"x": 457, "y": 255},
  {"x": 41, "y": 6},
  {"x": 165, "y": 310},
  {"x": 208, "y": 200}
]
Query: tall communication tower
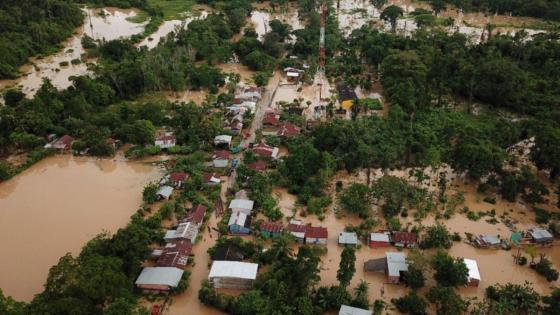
[{"x": 321, "y": 62}]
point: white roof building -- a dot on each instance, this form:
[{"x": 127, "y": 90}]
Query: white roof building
[
  {"x": 349, "y": 310},
  {"x": 159, "y": 277},
  {"x": 165, "y": 192},
  {"x": 396, "y": 262},
  {"x": 379, "y": 237},
  {"x": 238, "y": 218},
  {"x": 348, "y": 238},
  {"x": 222, "y": 139},
  {"x": 242, "y": 205},
  {"x": 185, "y": 230},
  {"x": 233, "y": 269},
  {"x": 474, "y": 272}
]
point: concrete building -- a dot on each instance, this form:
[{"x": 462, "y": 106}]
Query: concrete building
[
  {"x": 232, "y": 274},
  {"x": 474, "y": 272}
]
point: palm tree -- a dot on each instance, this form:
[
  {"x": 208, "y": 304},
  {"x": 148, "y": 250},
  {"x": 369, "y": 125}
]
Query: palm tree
[
  {"x": 391, "y": 14},
  {"x": 531, "y": 250},
  {"x": 281, "y": 246}
]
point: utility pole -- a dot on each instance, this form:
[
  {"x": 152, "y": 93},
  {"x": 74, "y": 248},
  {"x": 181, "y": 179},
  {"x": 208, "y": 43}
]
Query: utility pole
[{"x": 321, "y": 62}]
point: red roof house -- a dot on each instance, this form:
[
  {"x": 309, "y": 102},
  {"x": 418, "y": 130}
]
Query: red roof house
[
  {"x": 259, "y": 166},
  {"x": 264, "y": 150},
  {"x": 63, "y": 142},
  {"x": 316, "y": 235},
  {"x": 196, "y": 215},
  {"x": 178, "y": 178},
  {"x": 211, "y": 178},
  {"x": 288, "y": 130},
  {"x": 270, "y": 118},
  {"x": 404, "y": 239},
  {"x": 271, "y": 229},
  {"x": 175, "y": 254}
]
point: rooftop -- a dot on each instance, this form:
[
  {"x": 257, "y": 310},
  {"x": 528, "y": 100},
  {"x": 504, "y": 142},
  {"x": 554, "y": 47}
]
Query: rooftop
[
  {"x": 241, "y": 204},
  {"x": 178, "y": 176},
  {"x": 316, "y": 232},
  {"x": 349, "y": 310},
  {"x": 396, "y": 262},
  {"x": 160, "y": 276},
  {"x": 271, "y": 227},
  {"x": 347, "y": 238},
  {"x": 379, "y": 237},
  {"x": 233, "y": 269},
  {"x": 258, "y": 166},
  {"x": 474, "y": 272}
]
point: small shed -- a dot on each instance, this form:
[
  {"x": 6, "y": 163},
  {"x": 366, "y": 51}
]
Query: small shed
[
  {"x": 316, "y": 235},
  {"x": 232, "y": 274},
  {"x": 185, "y": 231},
  {"x": 223, "y": 141},
  {"x": 164, "y": 192},
  {"x": 404, "y": 239},
  {"x": 348, "y": 238},
  {"x": 239, "y": 223},
  {"x": 474, "y": 272},
  {"x": 242, "y": 205},
  {"x": 159, "y": 279},
  {"x": 396, "y": 266},
  {"x": 271, "y": 229},
  {"x": 379, "y": 239},
  {"x": 350, "y": 310}
]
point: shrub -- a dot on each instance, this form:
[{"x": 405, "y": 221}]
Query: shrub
[
  {"x": 544, "y": 268},
  {"x": 411, "y": 303},
  {"x": 149, "y": 195}
]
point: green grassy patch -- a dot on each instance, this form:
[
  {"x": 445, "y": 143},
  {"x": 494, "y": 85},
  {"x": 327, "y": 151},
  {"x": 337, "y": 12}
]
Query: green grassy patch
[
  {"x": 141, "y": 17},
  {"x": 172, "y": 9}
]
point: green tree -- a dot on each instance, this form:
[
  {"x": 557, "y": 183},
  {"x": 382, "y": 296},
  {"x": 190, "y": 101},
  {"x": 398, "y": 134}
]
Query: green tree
[
  {"x": 391, "y": 14},
  {"x": 447, "y": 301},
  {"x": 149, "y": 195},
  {"x": 411, "y": 303},
  {"x": 437, "y": 236},
  {"x": 357, "y": 199},
  {"x": 378, "y": 4},
  {"x": 552, "y": 303},
  {"x": 450, "y": 272},
  {"x": 347, "y": 266}
]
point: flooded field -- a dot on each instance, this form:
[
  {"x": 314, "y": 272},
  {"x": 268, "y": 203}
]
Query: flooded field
[
  {"x": 170, "y": 26},
  {"x": 261, "y": 18},
  {"x": 56, "y": 206},
  {"x": 100, "y": 24}
]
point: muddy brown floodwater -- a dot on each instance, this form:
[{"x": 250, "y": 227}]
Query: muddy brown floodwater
[
  {"x": 56, "y": 206},
  {"x": 106, "y": 23}
]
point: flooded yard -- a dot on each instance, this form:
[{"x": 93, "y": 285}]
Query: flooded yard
[
  {"x": 100, "y": 24},
  {"x": 56, "y": 206}
]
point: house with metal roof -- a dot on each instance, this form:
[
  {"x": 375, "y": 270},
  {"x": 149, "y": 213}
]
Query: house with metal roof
[
  {"x": 175, "y": 254},
  {"x": 404, "y": 239},
  {"x": 223, "y": 141},
  {"x": 540, "y": 235},
  {"x": 271, "y": 229},
  {"x": 486, "y": 241},
  {"x": 298, "y": 231},
  {"x": 166, "y": 141},
  {"x": 474, "y": 272},
  {"x": 211, "y": 179},
  {"x": 242, "y": 205},
  {"x": 164, "y": 192},
  {"x": 159, "y": 279},
  {"x": 239, "y": 223},
  {"x": 196, "y": 215},
  {"x": 232, "y": 274},
  {"x": 379, "y": 239},
  {"x": 185, "y": 231},
  {"x": 316, "y": 235},
  {"x": 178, "y": 178},
  {"x": 348, "y": 238},
  {"x": 62, "y": 143},
  {"x": 266, "y": 151},
  {"x": 350, "y": 310},
  {"x": 396, "y": 266},
  {"x": 220, "y": 159}
]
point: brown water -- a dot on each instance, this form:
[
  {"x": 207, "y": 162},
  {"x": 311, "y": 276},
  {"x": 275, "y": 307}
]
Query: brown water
[
  {"x": 56, "y": 206},
  {"x": 170, "y": 26},
  {"x": 107, "y": 23}
]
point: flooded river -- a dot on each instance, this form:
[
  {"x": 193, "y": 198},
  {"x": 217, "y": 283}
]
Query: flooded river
[
  {"x": 55, "y": 207},
  {"x": 107, "y": 24}
]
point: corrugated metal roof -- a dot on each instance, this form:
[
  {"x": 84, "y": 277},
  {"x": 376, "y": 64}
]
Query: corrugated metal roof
[
  {"x": 379, "y": 237},
  {"x": 160, "y": 276},
  {"x": 474, "y": 272},
  {"x": 165, "y": 191},
  {"x": 233, "y": 269},
  {"x": 349, "y": 310},
  {"x": 348, "y": 238},
  {"x": 241, "y": 204},
  {"x": 396, "y": 262}
]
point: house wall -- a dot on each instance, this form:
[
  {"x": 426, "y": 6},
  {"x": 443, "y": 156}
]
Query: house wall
[
  {"x": 393, "y": 279},
  {"x": 154, "y": 288},
  {"x": 473, "y": 283},
  {"x": 237, "y": 229},
  {"x": 231, "y": 283},
  {"x": 319, "y": 241},
  {"x": 378, "y": 244}
]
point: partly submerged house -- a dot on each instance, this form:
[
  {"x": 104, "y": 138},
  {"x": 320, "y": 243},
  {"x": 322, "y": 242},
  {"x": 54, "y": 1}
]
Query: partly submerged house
[
  {"x": 540, "y": 235},
  {"x": 63, "y": 143},
  {"x": 271, "y": 229},
  {"x": 177, "y": 179},
  {"x": 288, "y": 130},
  {"x": 394, "y": 265},
  {"x": 348, "y": 238},
  {"x": 166, "y": 141},
  {"x": 175, "y": 254},
  {"x": 379, "y": 239},
  {"x": 297, "y": 230},
  {"x": 486, "y": 241},
  {"x": 184, "y": 231},
  {"x": 159, "y": 279},
  {"x": 232, "y": 274},
  {"x": 242, "y": 205},
  {"x": 404, "y": 239},
  {"x": 474, "y": 272},
  {"x": 316, "y": 235},
  {"x": 266, "y": 151},
  {"x": 350, "y": 310},
  {"x": 164, "y": 192},
  {"x": 239, "y": 223}
]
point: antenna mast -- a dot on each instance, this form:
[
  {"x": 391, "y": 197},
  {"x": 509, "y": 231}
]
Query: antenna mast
[{"x": 321, "y": 62}]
